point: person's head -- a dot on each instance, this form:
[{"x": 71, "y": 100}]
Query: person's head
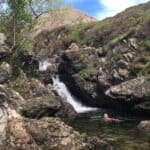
[{"x": 106, "y": 115}]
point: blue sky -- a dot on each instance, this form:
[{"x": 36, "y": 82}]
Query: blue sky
[{"x": 101, "y": 9}]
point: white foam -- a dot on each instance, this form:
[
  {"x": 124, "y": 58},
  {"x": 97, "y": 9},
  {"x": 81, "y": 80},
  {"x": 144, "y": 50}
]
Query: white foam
[{"x": 43, "y": 65}]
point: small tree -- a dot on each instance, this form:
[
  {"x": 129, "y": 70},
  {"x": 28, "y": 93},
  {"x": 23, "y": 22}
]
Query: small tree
[
  {"x": 18, "y": 17},
  {"x": 16, "y": 14}
]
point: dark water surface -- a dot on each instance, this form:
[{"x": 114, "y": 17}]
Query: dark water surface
[{"x": 122, "y": 136}]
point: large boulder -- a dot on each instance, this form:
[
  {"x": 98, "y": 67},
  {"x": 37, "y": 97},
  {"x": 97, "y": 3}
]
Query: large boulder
[
  {"x": 50, "y": 106},
  {"x": 131, "y": 90},
  {"x": 144, "y": 128},
  {"x": 41, "y": 106},
  {"x": 135, "y": 93}
]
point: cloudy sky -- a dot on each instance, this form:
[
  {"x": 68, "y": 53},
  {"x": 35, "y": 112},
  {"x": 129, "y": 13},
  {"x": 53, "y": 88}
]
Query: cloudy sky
[{"x": 103, "y": 8}]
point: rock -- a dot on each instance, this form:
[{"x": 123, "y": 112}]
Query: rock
[
  {"x": 66, "y": 112},
  {"x": 133, "y": 42},
  {"x": 4, "y": 49},
  {"x": 142, "y": 108},
  {"x": 131, "y": 90},
  {"x": 144, "y": 128},
  {"x": 44, "y": 134},
  {"x": 30, "y": 87},
  {"x": 30, "y": 63},
  {"x": 5, "y": 72},
  {"x": 13, "y": 98},
  {"x": 41, "y": 107},
  {"x": 48, "y": 106},
  {"x": 100, "y": 51},
  {"x": 74, "y": 47},
  {"x": 134, "y": 93}
]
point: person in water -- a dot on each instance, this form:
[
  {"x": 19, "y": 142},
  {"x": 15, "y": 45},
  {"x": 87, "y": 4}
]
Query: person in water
[{"x": 108, "y": 119}]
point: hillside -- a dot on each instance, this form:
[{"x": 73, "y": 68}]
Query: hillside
[
  {"x": 105, "y": 55},
  {"x": 61, "y": 17}
]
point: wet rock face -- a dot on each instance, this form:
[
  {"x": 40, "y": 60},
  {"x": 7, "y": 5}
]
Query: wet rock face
[
  {"x": 86, "y": 71},
  {"x": 78, "y": 72},
  {"x": 144, "y": 128}
]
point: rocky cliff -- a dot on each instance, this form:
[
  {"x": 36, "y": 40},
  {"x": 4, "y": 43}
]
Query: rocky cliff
[{"x": 106, "y": 63}]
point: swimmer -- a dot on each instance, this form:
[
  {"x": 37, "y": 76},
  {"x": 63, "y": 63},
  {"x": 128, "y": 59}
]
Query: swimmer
[{"x": 108, "y": 119}]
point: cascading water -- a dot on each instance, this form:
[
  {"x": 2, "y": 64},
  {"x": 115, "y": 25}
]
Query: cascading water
[
  {"x": 62, "y": 90},
  {"x": 43, "y": 65}
]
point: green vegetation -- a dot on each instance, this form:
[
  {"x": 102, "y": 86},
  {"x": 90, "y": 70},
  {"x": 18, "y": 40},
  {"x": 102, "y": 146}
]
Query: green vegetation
[
  {"x": 77, "y": 32},
  {"x": 20, "y": 14},
  {"x": 146, "y": 69},
  {"x": 16, "y": 20},
  {"x": 91, "y": 68},
  {"x": 16, "y": 62},
  {"x": 145, "y": 45},
  {"x": 22, "y": 90},
  {"x": 118, "y": 39},
  {"x": 142, "y": 61},
  {"x": 81, "y": 53},
  {"x": 85, "y": 73}
]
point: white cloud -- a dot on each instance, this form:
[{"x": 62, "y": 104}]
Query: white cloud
[{"x": 112, "y": 7}]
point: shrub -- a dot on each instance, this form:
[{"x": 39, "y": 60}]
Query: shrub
[
  {"x": 81, "y": 53},
  {"x": 145, "y": 45},
  {"x": 146, "y": 69},
  {"x": 76, "y": 33}
]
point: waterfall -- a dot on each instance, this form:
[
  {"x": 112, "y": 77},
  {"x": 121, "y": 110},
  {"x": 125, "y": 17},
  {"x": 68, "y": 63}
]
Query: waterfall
[
  {"x": 64, "y": 93},
  {"x": 44, "y": 64}
]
